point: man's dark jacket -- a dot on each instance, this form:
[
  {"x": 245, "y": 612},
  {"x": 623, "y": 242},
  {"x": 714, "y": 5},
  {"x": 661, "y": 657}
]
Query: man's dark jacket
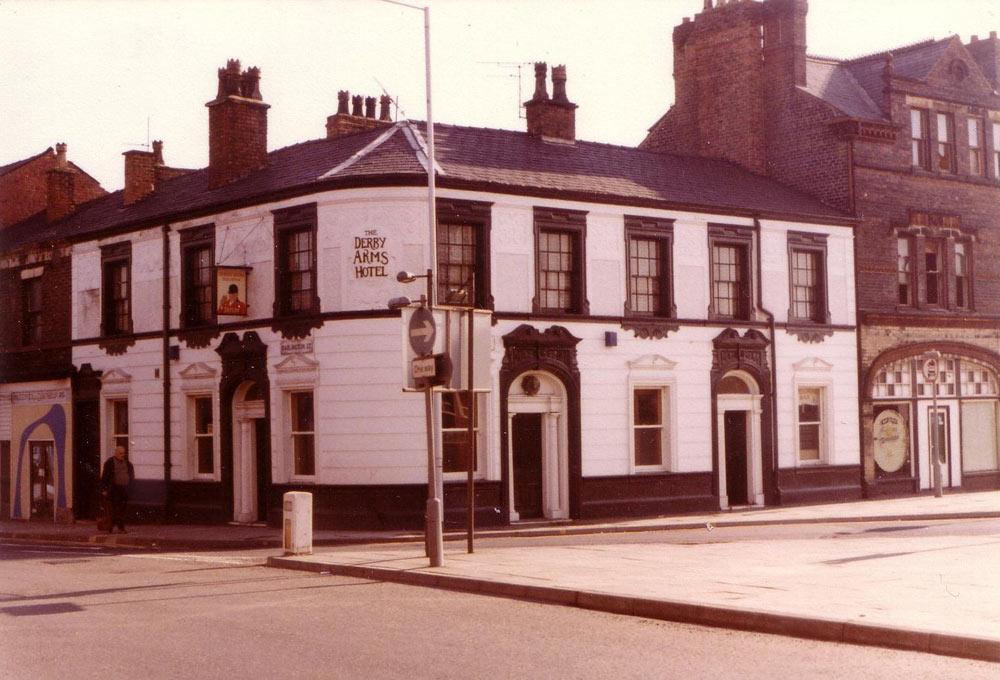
[{"x": 108, "y": 473}]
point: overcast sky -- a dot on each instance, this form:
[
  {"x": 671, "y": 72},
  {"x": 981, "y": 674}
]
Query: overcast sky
[{"x": 91, "y": 73}]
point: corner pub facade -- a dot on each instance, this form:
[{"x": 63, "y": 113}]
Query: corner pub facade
[{"x": 668, "y": 333}]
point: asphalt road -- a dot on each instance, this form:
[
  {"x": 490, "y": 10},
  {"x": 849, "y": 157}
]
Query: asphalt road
[{"x": 91, "y": 613}]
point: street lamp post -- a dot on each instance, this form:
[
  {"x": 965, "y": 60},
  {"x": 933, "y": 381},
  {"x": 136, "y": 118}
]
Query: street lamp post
[{"x": 435, "y": 513}]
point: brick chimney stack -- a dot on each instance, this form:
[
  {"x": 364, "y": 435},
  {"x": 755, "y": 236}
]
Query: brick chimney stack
[
  {"x": 237, "y": 126},
  {"x": 986, "y": 52},
  {"x": 553, "y": 118},
  {"x": 357, "y": 114},
  {"x": 785, "y": 40},
  {"x": 60, "y": 187}
]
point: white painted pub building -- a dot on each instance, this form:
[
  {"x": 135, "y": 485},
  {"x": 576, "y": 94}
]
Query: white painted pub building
[{"x": 666, "y": 333}]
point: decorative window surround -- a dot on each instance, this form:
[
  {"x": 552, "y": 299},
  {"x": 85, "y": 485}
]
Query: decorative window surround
[
  {"x": 654, "y": 324},
  {"x": 814, "y": 373},
  {"x": 198, "y": 377},
  {"x": 197, "y": 332},
  {"x": 653, "y": 371},
  {"x": 476, "y": 214},
  {"x": 296, "y": 373},
  {"x": 808, "y": 329},
  {"x": 116, "y": 258},
  {"x": 721, "y": 236},
  {"x": 297, "y": 323},
  {"x": 574, "y": 224}
]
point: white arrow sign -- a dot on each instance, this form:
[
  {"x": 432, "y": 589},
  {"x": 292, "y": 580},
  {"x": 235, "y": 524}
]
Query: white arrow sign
[{"x": 424, "y": 332}]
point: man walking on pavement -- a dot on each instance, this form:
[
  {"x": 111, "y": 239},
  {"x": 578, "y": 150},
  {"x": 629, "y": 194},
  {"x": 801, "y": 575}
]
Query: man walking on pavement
[{"x": 116, "y": 476}]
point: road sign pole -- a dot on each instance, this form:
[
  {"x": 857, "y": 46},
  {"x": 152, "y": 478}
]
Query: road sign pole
[
  {"x": 435, "y": 508},
  {"x": 470, "y": 486},
  {"x": 932, "y": 375}
]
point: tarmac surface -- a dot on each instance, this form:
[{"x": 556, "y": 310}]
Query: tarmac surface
[{"x": 938, "y": 594}]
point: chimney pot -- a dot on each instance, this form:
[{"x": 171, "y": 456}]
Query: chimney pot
[
  {"x": 357, "y": 102},
  {"x": 559, "y": 84},
  {"x": 993, "y": 35},
  {"x": 541, "y": 93},
  {"x": 342, "y": 102},
  {"x": 250, "y": 83},
  {"x": 369, "y": 107},
  {"x": 157, "y": 152},
  {"x": 974, "y": 38},
  {"x": 61, "y": 156},
  {"x": 385, "y": 101}
]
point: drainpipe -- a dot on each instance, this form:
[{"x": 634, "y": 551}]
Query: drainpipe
[
  {"x": 774, "y": 360},
  {"x": 852, "y": 206},
  {"x": 166, "y": 372}
]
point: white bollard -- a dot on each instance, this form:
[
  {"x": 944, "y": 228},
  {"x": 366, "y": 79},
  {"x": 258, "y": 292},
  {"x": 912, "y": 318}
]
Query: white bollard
[{"x": 298, "y": 523}]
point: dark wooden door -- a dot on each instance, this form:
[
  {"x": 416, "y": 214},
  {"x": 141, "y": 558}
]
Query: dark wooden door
[
  {"x": 527, "y": 442},
  {"x": 262, "y": 439},
  {"x": 736, "y": 457},
  {"x": 86, "y": 459}
]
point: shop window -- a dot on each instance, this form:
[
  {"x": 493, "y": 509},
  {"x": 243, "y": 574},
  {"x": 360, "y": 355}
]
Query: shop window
[
  {"x": 203, "y": 434},
  {"x": 894, "y": 380},
  {"x": 978, "y": 381},
  {"x": 455, "y": 431},
  {"x": 920, "y": 138},
  {"x": 303, "y": 435},
  {"x": 649, "y": 427},
  {"x": 947, "y": 379},
  {"x": 560, "y": 262}
]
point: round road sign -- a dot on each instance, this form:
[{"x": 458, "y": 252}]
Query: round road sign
[{"x": 422, "y": 331}]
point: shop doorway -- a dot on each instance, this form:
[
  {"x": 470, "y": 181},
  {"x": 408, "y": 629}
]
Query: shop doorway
[{"x": 41, "y": 454}]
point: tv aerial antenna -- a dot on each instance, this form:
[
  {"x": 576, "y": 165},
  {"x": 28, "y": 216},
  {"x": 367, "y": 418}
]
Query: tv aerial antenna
[
  {"x": 145, "y": 146},
  {"x": 514, "y": 69}
]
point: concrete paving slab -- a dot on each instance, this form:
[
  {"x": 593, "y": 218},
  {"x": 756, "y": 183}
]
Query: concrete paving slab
[{"x": 937, "y": 594}]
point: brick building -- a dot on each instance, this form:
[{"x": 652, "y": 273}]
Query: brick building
[
  {"x": 908, "y": 140},
  {"x": 642, "y": 345},
  {"x": 35, "y": 355}
]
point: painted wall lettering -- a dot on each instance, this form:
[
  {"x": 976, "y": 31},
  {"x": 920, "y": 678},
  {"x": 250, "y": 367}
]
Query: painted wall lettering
[{"x": 370, "y": 255}]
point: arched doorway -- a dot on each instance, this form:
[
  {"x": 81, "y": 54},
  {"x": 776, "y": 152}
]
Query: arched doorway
[
  {"x": 245, "y": 432},
  {"x": 540, "y": 422},
  {"x": 251, "y": 443},
  {"x": 537, "y": 447},
  {"x": 739, "y": 450}
]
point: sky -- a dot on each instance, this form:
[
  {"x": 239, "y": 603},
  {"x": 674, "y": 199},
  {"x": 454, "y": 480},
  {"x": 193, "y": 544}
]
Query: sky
[{"x": 105, "y": 76}]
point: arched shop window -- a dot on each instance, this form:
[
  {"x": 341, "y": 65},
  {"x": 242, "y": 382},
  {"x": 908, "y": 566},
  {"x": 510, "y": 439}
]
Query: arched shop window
[
  {"x": 904, "y": 379},
  {"x": 893, "y": 381}
]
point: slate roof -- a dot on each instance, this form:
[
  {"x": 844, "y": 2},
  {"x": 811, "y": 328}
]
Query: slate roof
[
  {"x": 486, "y": 159},
  {"x": 853, "y": 86},
  {"x": 836, "y": 84}
]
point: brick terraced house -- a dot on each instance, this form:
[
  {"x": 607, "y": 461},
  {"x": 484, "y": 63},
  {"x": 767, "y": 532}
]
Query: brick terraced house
[
  {"x": 908, "y": 140},
  {"x": 35, "y": 355},
  {"x": 666, "y": 333}
]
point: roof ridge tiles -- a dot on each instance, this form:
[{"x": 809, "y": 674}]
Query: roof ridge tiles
[{"x": 881, "y": 54}]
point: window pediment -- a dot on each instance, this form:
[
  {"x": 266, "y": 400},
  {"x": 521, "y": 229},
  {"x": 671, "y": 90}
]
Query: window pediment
[{"x": 652, "y": 362}]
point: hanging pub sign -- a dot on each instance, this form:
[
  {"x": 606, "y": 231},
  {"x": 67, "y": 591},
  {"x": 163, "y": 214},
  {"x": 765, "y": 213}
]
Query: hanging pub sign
[{"x": 231, "y": 285}]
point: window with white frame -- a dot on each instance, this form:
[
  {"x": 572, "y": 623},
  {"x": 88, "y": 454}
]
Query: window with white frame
[
  {"x": 202, "y": 438},
  {"x": 303, "y": 434},
  {"x": 649, "y": 426},
  {"x": 455, "y": 431},
  {"x": 118, "y": 413},
  {"x": 811, "y": 425}
]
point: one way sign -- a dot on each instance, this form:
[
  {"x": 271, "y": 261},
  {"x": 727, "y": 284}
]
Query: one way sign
[{"x": 422, "y": 331}]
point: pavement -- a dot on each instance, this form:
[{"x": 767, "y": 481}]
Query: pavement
[{"x": 938, "y": 594}]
